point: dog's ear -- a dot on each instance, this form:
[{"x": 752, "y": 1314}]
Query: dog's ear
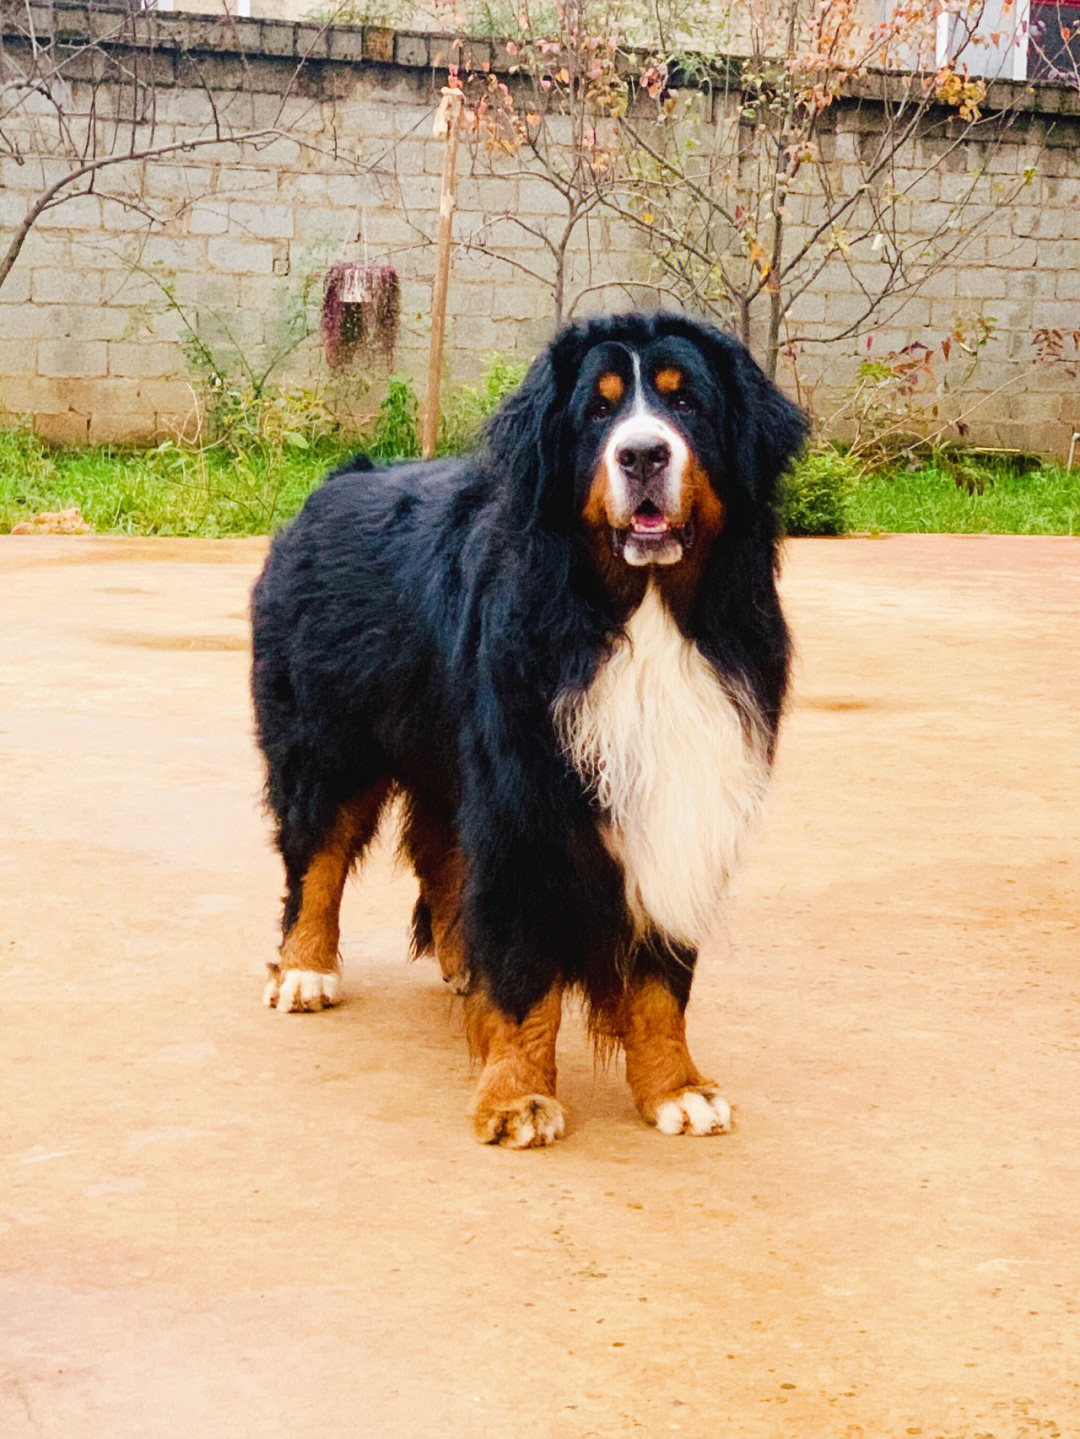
[
  {"x": 521, "y": 438},
  {"x": 526, "y": 440},
  {"x": 770, "y": 431},
  {"x": 764, "y": 430}
]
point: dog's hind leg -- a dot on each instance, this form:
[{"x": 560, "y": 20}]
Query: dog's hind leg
[
  {"x": 431, "y": 847},
  {"x": 307, "y": 974}
]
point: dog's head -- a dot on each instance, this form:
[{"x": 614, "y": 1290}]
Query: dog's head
[{"x": 653, "y": 432}]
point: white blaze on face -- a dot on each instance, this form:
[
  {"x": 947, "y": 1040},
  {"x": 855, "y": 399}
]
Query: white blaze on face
[{"x": 641, "y": 429}]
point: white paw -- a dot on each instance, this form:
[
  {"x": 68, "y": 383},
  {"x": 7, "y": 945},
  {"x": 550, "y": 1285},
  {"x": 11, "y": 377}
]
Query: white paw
[
  {"x": 295, "y": 990},
  {"x": 694, "y": 1111}
]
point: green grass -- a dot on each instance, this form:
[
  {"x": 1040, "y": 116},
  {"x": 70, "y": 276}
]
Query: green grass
[
  {"x": 274, "y": 449},
  {"x": 251, "y": 489},
  {"x": 164, "y": 491},
  {"x": 957, "y": 496}
]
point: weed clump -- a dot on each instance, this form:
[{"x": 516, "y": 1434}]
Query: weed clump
[{"x": 816, "y": 492}]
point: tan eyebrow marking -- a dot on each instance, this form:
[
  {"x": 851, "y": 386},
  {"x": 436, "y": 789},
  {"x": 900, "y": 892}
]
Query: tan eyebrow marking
[
  {"x": 611, "y": 387},
  {"x": 668, "y": 380}
]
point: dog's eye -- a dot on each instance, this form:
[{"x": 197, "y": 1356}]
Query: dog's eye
[
  {"x": 683, "y": 403},
  {"x": 600, "y": 408}
]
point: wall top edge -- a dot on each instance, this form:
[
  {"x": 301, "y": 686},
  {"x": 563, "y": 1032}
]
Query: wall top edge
[{"x": 69, "y": 22}]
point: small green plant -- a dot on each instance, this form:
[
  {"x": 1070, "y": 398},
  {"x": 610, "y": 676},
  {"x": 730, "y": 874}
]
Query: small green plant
[
  {"x": 395, "y": 434},
  {"x": 470, "y": 405},
  {"x": 816, "y": 491},
  {"x": 237, "y": 449},
  {"x": 913, "y": 397}
]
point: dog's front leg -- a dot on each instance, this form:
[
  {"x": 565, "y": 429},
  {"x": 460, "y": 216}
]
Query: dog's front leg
[
  {"x": 514, "y": 1104},
  {"x": 650, "y": 1023}
]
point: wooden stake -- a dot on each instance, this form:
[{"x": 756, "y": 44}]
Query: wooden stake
[{"x": 446, "y": 123}]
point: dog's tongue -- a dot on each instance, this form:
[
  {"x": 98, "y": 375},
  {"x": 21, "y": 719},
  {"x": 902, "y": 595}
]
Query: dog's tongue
[{"x": 649, "y": 522}]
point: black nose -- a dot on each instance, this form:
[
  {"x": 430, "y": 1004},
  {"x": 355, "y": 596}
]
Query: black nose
[{"x": 644, "y": 460}]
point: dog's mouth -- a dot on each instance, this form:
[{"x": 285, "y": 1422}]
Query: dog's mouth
[{"x": 651, "y": 538}]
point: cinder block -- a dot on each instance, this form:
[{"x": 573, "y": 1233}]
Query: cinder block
[
  {"x": 107, "y": 321},
  {"x": 312, "y": 42},
  {"x": 28, "y": 322},
  {"x": 493, "y": 195},
  {"x": 169, "y": 397},
  {"x": 67, "y": 359},
  {"x": 474, "y": 56},
  {"x": 533, "y": 335},
  {"x": 207, "y": 219},
  {"x": 1020, "y": 255},
  {"x": 389, "y": 230},
  {"x": 77, "y": 212},
  {"x": 66, "y": 428},
  {"x": 1031, "y": 408},
  {"x": 116, "y": 216},
  {"x": 262, "y": 222},
  {"x": 302, "y": 189},
  {"x": 325, "y": 225},
  {"x": 176, "y": 176},
  {"x": 116, "y": 426},
  {"x": 15, "y": 289},
  {"x": 958, "y": 188},
  {"x": 277, "y": 38},
  {"x": 347, "y": 44},
  {"x": 278, "y": 155},
  {"x": 513, "y": 302},
  {"x": 412, "y": 50},
  {"x": 940, "y": 284},
  {"x": 21, "y": 393},
  {"x": 13, "y": 205},
  {"x": 246, "y": 34},
  {"x": 55, "y": 285},
  {"x": 379, "y": 44},
  {"x": 986, "y": 284},
  {"x": 185, "y": 106},
  {"x": 538, "y": 197},
  {"x": 808, "y": 308},
  {"x": 241, "y": 173},
  {"x": 144, "y": 359},
  {"x": 240, "y": 257}
]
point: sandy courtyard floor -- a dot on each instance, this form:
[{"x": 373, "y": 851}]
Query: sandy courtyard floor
[{"x": 221, "y": 1221}]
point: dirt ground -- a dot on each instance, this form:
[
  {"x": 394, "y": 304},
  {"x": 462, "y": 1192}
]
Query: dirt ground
[{"x": 222, "y": 1221}]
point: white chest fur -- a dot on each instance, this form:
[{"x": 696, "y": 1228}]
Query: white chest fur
[{"x": 661, "y": 743}]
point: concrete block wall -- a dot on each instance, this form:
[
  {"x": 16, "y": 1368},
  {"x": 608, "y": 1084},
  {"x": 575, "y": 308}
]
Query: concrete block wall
[
  {"x": 94, "y": 315},
  {"x": 1011, "y": 262}
]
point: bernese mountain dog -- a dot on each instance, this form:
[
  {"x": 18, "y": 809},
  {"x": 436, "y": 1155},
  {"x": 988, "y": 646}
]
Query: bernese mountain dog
[{"x": 565, "y": 655}]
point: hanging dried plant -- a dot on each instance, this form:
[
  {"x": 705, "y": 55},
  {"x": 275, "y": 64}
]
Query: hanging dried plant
[{"x": 360, "y": 312}]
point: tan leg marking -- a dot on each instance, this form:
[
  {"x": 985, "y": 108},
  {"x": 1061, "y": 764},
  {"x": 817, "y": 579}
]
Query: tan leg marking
[
  {"x": 432, "y": 850},
  {"x": 307, "y": 975},
  {"x": 667, "y": 1087},
  {"x": 514, "y": 1104}
]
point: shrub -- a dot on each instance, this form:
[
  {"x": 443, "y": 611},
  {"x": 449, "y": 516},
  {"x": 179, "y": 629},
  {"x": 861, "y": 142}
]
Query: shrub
[{"x": 815, "y": 492}]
